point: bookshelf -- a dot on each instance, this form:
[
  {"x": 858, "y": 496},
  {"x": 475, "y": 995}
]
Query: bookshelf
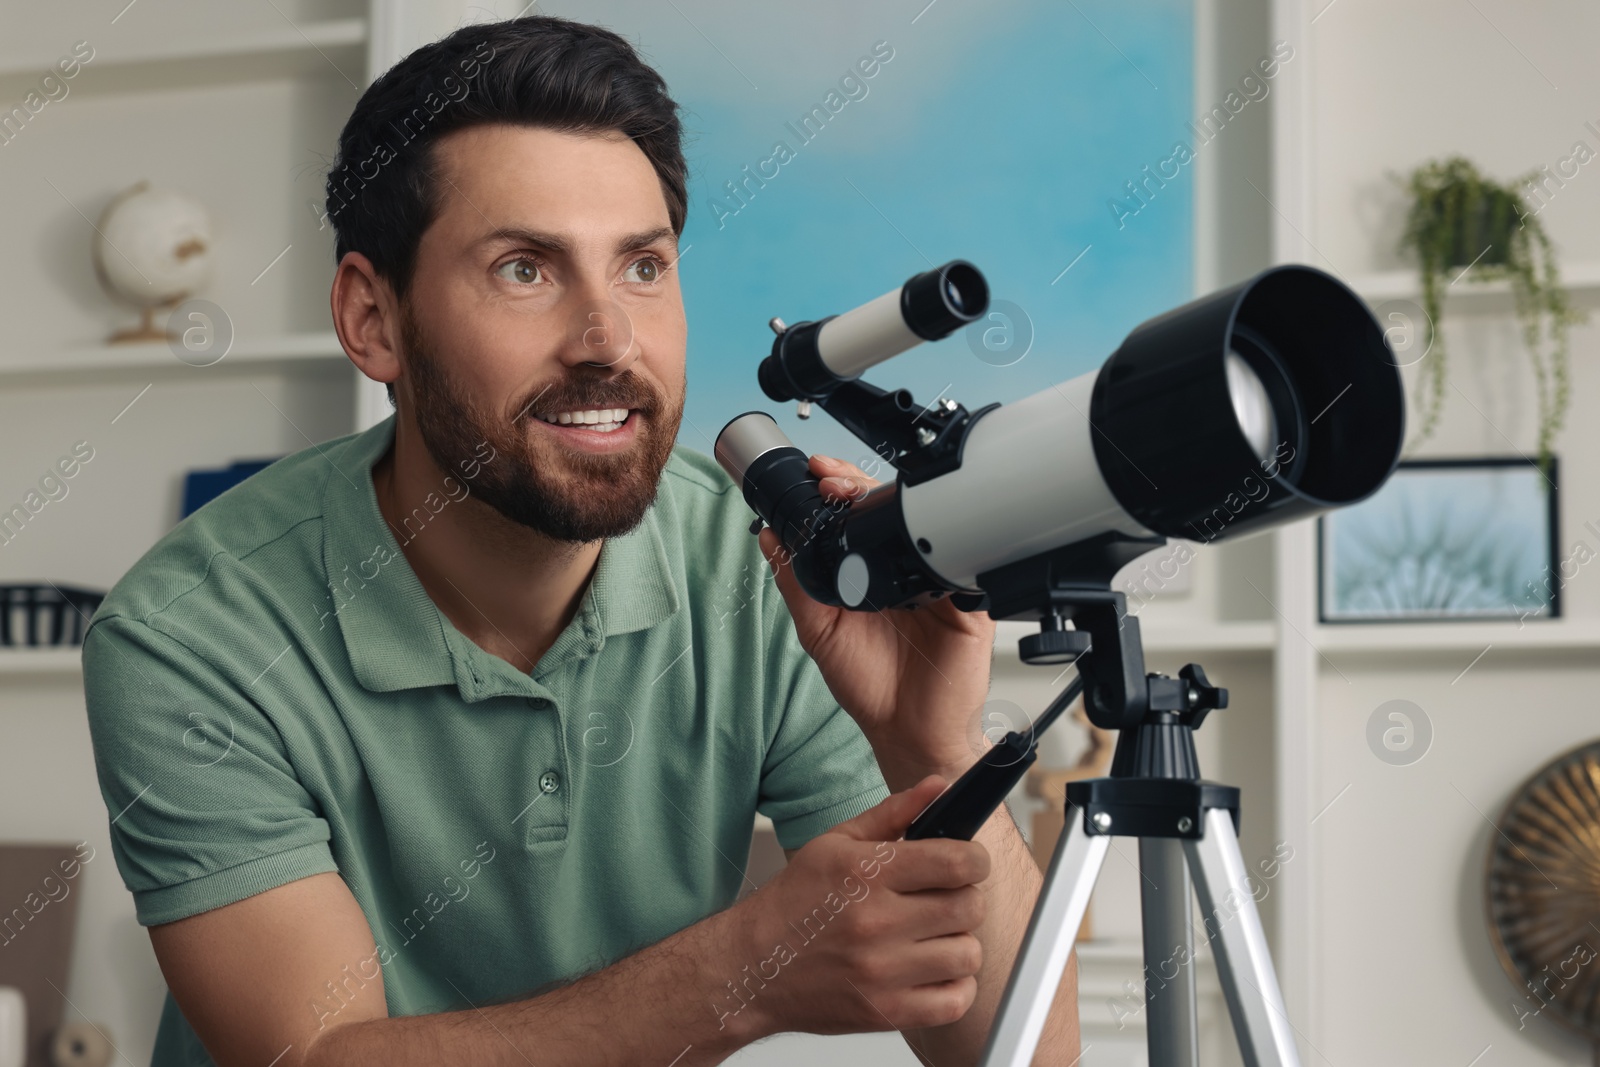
[{"x": 239, "y": 106}]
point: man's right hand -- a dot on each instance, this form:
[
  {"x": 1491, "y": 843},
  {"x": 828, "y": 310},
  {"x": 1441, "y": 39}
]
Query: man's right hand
[{"x": 863, "y": 931}]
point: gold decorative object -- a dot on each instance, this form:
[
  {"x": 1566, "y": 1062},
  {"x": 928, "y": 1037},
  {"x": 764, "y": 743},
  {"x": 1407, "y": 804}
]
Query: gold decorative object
[{"x": 1543, "y": 893}]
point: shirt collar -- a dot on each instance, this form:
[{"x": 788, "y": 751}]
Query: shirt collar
[{"x": 397, "y": 638}]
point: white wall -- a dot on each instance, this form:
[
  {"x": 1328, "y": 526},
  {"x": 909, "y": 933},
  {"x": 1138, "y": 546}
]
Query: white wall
[{"x": 1400, "y": 969}]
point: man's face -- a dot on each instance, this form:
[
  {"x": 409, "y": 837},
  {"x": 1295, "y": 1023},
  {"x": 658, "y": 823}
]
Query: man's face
[{"x": 545, "y": 301}]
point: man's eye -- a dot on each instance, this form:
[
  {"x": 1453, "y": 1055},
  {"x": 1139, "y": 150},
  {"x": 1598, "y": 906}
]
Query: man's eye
[
  {"x": 522, "y": 270},
  {"x": 647, "y": 269}
]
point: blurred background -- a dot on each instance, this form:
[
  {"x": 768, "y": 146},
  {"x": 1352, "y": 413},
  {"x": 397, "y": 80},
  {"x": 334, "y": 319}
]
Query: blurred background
[{"x": 1413, "y": 681}]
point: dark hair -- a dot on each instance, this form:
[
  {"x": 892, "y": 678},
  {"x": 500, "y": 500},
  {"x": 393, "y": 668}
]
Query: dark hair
[{"x": 383, "y": 192}]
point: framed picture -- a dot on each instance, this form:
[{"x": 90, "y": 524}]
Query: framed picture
[{"x": 1445, "y": 539}]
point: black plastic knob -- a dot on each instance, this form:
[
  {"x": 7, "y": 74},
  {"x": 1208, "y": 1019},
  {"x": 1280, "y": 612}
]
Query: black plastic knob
[
  {"x": 1203, "y": 696},
  {"x": 1053, "y": 647}
]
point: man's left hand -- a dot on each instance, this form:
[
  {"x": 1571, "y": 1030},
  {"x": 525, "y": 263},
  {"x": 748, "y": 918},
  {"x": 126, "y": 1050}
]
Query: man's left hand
[{"x": 914, "y": 680}]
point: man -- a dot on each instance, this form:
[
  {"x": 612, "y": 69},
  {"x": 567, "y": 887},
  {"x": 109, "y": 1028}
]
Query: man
[{"x": 442, "y": 742}]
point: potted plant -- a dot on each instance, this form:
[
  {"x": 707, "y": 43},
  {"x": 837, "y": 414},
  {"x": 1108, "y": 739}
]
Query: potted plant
[{"x": 1462, "y": 223}]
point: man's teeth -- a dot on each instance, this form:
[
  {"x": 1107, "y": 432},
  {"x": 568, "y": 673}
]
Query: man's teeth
[{"x": 602, "y": 419}]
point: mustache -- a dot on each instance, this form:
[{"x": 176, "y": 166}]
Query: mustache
[{"x": 627, "y": 390}]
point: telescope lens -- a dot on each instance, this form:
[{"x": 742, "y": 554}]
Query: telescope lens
[
  {"x": 966, "y": 293},
  {"x": 953, "y": 295},
  {"x": 1257, "y": 405},
  {"x": 1251, "y": 405}
]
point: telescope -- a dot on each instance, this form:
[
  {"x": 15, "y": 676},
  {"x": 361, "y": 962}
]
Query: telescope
[{"x": 1270, "y": 401}]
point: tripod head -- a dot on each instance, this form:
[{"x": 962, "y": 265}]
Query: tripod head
[
  {"x": 1155, "y": 715},
  {"x": 1073, "y": 584}
]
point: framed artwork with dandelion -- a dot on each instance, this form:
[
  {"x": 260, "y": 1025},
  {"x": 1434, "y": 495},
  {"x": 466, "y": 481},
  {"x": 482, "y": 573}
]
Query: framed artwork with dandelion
[{"x": 1445, "y": 539}]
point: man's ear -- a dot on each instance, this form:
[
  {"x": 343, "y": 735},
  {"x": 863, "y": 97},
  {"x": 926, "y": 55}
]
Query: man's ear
[{"x": 366, "y": 316}]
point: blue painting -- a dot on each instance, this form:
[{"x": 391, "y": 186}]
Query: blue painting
[
  {"x": 837, "y": 148},
  {"x": 1445, "y": 540}
]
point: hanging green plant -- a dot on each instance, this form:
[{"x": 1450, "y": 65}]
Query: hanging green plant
[{"x": 1462, "y": 222}]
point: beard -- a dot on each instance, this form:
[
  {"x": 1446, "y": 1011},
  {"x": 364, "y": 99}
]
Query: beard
[{"x": 562, "y": 493}]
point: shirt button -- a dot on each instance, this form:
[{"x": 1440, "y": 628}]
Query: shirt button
[
  {"x": 538, "y": 703},
  {"x": 549, "y": 781}
]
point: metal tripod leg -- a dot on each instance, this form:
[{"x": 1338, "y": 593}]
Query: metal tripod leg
[
  {"x": 1165, "y": 901},
  {"x": 1042, "y": 960},
  {"x": 1248, "y": 980}
]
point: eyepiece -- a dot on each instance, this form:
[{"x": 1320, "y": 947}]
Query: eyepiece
[
  {"x": 938, "y": 302},
  {"x": 775, "y": 478},
  {"x": 811, "y": 359},
  {"x": 774, "y": 475},
  {"x": 745, "y": 439}
]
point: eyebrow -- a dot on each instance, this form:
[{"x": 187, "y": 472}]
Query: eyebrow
[{"x": 555, "y": 243}]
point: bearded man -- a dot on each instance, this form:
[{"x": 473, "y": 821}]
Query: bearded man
[{"x": 442, "y": 742}]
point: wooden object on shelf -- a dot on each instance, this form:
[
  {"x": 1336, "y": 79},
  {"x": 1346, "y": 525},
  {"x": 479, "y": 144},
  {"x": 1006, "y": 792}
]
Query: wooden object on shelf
[
  {"x": 1050, "y": 785},
  {"x": 37, "y": 934}
]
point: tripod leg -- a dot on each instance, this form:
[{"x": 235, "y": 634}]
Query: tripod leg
[
  {"x": 1164, "y": 888},
  {"x": 1042, "y": 959},
  {"x": 1248, "y": 980}
]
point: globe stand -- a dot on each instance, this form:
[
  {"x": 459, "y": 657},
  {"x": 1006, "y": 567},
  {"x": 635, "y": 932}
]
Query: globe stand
[{"x": 147, "y": 331}]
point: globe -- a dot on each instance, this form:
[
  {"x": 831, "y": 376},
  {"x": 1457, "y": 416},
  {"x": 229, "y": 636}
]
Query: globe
[{"x": 152, "y": 249}]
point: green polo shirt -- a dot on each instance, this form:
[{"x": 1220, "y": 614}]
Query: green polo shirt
[{"x": 272, "y": 694}]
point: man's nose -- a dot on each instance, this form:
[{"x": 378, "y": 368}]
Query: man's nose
[{"x": 599, "y": 332}]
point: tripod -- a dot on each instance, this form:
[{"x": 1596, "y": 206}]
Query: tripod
[{"x": 1187, "y": 828}]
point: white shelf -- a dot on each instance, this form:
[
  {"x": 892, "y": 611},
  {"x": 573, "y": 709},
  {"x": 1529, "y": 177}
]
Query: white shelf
[
  {"x": 1174, "y": 637},
  {"x": 1555, "y": 635},
  {"x": 59, "y": 661},
  {"x": 74, "y": 362},
  {"x": 1403, "y": 284},
  {"x": 332, "y": 47}
]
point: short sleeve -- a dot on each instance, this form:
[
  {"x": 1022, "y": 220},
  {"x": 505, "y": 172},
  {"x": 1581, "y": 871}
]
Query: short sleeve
[
  {"x": 205, "y": 808},
  {"x": 819, "y": 769}
]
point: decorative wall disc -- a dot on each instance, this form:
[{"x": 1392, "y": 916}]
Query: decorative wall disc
[{"x": 1543, "y": 891}]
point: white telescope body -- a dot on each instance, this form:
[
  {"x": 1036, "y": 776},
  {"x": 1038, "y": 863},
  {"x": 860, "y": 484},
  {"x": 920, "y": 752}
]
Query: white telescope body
[
  {"x": 1198, "y": 426},
  {"x": 1047, "y": 504},
  {"x": 994, "y": 510},
  {"x": 865, "y": 337}
]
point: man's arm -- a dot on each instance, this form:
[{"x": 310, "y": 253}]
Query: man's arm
[{"x": 252, "y": 979}]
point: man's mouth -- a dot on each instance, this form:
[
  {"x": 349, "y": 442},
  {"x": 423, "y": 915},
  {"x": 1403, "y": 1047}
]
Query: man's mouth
[{"x": 599, "y": 420}]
